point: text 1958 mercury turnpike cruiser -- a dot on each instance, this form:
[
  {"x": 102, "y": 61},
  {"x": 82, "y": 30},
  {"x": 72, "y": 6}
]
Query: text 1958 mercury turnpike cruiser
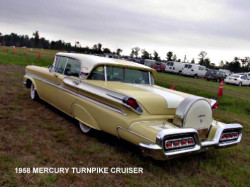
[{"x": 120, "y": 98}]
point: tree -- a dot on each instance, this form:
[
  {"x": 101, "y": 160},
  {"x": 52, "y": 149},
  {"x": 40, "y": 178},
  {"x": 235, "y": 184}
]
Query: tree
[
  {"x": 156, "y": 56},
  {"x": 206, "y": 62},
  {"x": 174, "y": 57},
  {"x": 106, "y": 50},
  {"x": 185, "y": 58},
  {"x": 169, "y": 56},
  {"x": 136, "y": 51},
  {"x": 132, "y": 54},
  {"x": 192, "y": 61},
  {"x": 202, "y": 56},
  {"x": 99, "y": 48},
  {"x": 118, "y": 51},
  {"x": 234, "y": 66},
  {"x": 36, "y": 38},
  {"x": 145, "y": 54},
  {"x": 245, "y": 61},
  {"x": 221, "y": 63}
]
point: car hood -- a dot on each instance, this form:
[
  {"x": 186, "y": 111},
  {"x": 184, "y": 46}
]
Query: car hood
[{"x": 154, "y": 99}]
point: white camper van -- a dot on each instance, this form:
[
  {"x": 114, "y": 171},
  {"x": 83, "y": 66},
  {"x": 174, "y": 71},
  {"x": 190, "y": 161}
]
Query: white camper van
[
  {"x": 174, "y": 67},
  {"x": 194, "y": 70}
]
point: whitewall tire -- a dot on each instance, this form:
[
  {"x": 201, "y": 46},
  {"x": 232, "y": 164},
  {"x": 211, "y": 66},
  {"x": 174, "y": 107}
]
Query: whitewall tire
[
  {"x": 33, "y": 92},
  {"x": 84, "y": 128}
]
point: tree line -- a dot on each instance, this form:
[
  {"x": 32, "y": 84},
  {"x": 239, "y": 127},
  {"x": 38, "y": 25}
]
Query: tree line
[{"x": 236, "y": 65}]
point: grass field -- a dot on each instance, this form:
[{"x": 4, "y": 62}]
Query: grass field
[{"x": 34, "y": 134}]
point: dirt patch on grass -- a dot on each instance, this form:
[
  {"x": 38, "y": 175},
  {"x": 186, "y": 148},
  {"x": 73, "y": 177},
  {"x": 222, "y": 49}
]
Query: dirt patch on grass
[{"x": 34, "y": 134}]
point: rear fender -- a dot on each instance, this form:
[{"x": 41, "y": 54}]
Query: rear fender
[{"x": 82, "y": 115}]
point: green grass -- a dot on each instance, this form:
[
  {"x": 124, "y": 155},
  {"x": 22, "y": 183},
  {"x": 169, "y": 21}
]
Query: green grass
[
  {"x": 31, "y": 58},
  {"x": 34, "y": 134}
]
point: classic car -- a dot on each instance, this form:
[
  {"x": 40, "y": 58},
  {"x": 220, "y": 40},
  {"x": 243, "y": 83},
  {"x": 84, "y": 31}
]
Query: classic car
[{"x": 120, "y": 98}]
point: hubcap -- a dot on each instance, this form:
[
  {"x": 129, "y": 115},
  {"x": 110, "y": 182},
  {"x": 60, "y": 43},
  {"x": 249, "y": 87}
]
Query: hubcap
[{"x": 84, "y": 128}]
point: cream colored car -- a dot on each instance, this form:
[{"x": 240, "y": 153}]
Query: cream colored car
[{"x": 120, "y": 98}]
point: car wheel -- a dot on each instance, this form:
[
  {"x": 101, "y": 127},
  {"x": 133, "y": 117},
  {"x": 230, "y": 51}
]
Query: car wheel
[
  {"x": 240, "y": 84},
  {"x": 33, "y": 92},
  {"x": 84, "y": 128}
]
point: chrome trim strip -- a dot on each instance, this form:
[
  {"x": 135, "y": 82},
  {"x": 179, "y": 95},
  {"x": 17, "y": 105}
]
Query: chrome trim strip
[
  {"x": 105, "y": 73},
  {"x": 120, "y": 111},
  {"x": 65, "y": 66},
  {"x": 150, "y": 146},
  {"x": 116, "y": 97},
  {"x": 144, "y": 122},
  {"x": 149, "y": 78},
  {"x": 132, "y": 133}
]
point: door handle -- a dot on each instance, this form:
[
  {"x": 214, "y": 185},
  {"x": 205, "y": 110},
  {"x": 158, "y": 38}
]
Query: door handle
[{"x": 55, "y": 75}]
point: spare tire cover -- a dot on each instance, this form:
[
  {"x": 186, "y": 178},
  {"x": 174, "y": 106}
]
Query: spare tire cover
[{"x": 193, "y": 112}]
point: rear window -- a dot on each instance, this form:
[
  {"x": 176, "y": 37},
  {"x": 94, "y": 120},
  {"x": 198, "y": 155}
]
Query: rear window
[
  {"x": 97, "y": 73},
  {"x": 236, "y": 76}
]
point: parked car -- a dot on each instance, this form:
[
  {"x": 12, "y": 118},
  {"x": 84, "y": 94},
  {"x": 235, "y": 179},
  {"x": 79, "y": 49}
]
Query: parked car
[
  {"x": 215, "y": 75},
  {"x": 240, "y": 80},
  {"x": 174, "y": 67},
  {"x": 149, "y": 62},
  {"x": 227, "y": 72},
  {"x": 158, "y": 66},
  {"x": 120, "y": 98},
  {"x": 194, "y": 70}
]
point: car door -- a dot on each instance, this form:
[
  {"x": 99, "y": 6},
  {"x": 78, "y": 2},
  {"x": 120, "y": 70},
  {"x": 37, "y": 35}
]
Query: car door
[
  {"x": 48, "y": 91},
  {"x": 244, "y": 80},
  {"x": 67, "y": 92}
]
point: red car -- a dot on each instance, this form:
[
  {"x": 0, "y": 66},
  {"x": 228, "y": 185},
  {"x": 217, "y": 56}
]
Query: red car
[{"x": 159, "y": 66}]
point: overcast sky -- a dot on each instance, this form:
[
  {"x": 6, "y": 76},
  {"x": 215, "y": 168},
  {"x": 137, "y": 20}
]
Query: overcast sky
[{"x": 186, "y": 27}]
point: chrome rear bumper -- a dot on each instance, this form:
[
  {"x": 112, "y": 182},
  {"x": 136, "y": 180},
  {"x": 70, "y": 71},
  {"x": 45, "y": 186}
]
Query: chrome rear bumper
[{"x": 157, "y": 151}]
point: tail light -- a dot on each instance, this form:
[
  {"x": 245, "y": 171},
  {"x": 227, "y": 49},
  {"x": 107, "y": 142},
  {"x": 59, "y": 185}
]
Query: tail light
[
  {"x": 235, "y": 79},
  {"x": 192, "y": 70},
  {"x": 132, "y": 104},
  {"x": 179, "y": 143},
  {"x": 229, "y": 136},
  {"x": 173, "y": 68},
  {"x": 215, "y": 105}
]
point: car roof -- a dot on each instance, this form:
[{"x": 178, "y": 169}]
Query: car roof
[{"x": 91, "y": 61}]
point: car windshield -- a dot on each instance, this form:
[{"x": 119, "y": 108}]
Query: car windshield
[{"x": 122, "y": 74}]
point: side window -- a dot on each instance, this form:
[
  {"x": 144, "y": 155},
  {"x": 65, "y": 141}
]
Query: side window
[
  {"x": 115, "y": 73},
  {"x": 60, "y": 64},
  {"x": 97, "y": 73},
  {"x": 73, "y": 68}
]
